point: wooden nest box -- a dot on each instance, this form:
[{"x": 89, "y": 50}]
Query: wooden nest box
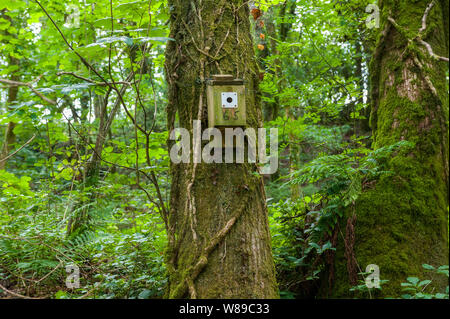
[{"x": 226, "y": 101}]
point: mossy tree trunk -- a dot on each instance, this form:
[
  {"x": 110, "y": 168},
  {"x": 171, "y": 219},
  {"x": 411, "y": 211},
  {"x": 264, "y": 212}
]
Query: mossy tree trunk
[
  {"x": 219, "y": 240},
  {"x": 402, "y": 221}
]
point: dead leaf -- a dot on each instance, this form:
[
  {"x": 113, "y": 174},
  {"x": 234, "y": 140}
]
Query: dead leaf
[{"x": 256, "y": 13}]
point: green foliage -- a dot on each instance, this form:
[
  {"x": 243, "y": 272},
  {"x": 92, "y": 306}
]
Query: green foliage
[
  {"x": 415, "y": 288},
  {"x": 314, "y": 89},
  {"x": 122, "y": 258},
  {"x": 47, "y": 186},
  {"x": 302, "y": 230},
  {"x": 342, "y": 178},
  {"x": 362, "y": 287}
]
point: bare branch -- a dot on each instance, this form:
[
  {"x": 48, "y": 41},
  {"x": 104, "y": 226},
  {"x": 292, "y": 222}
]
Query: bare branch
[
  {"x": 15, "y": 294},
  {"x": 18, "y": 150},
  {"x": 422, "y": 29},
  {"x": 112, "y": 86},
  {"x": 92, "y": 81},
  {"x": 419, "y": 36},
  {"x": 30, "y": 86},
  {"x": 430, "y": 51},
  {"x": 425, "y": 16}
]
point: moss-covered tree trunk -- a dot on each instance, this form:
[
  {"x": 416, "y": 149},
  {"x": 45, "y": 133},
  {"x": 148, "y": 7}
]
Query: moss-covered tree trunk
[
  {"x": 402, "y": 221},
  {"x": 219, "y": 240}
]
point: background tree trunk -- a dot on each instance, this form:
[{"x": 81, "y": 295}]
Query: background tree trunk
[
  {"x": 10, "y": 137},
  {"x": 219, "y": 240},
  {"x": 401, "y": 222}
]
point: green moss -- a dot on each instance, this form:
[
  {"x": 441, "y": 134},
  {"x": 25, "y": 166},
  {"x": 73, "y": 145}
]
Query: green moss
[
  {"x": 235, "y": 268},
  {"x": 402, "y": 222}
]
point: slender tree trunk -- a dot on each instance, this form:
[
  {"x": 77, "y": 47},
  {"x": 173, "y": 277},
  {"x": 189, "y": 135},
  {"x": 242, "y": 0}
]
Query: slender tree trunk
[
  {"x": 219, "y": 240},
  {"x": 402, "y": 222},
  {"x": 294, "y": 153},
  {"x": 363, "y": 124},
  {"x": 10, "y": 137}
]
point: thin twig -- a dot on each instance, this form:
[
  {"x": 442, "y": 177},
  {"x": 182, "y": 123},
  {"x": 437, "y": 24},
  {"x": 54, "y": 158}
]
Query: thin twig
[
  {"x": 18, "y": 150},
  {"x": 28, "y": 85},
  {"x": 420, "y": 34},
  {"x": 425, "y": 16},
  {"x": 89, "y": 66},
  {"x": 430, "y": 51},
  {"x": 92, "y": 81},
  {"x": 15, "y": 294}
]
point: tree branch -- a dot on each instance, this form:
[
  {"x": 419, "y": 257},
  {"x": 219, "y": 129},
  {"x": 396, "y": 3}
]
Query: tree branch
[
  {"x": 422, "y": 29},
  {"x": 418, "y": 38},
  {"x": 430, "y": 51},
  {"x": 18, "y": 150},
  {"x": 92, "y": 81},
  {"x": 425, "y": 16},
  {"x": 30, "y": 86},
  {"x": 15, "y": 294}
]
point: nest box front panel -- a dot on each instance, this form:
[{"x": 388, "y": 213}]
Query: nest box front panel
[{"x": 226, "y": 105}]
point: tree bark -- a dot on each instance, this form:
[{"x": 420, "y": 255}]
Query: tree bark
[
  {"x": 219, "y": 240},
  {"x": 10, "y": 137},
  {"x": 402, "y": 222}
]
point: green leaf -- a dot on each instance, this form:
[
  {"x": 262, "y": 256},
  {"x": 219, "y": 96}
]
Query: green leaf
[
  {"x": 107, "y": 40},
  {"x": 442, "y": 272},
  {"x": 75, "y": 87},
  {"x": 24, "y": 265},
  {"x": 413, "y": 280},
  {"x": 61, "y": 295},
  {"x": 410, "y": 289},
  {"x": 145, "y": 294},
  {"x": 155, "y": 39},
  {"x": 429, "y": 267},
  {"x": 12, "y": 4},
  {"x": 4, "y": 24},
  {"x": 423, "y": 283}
]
